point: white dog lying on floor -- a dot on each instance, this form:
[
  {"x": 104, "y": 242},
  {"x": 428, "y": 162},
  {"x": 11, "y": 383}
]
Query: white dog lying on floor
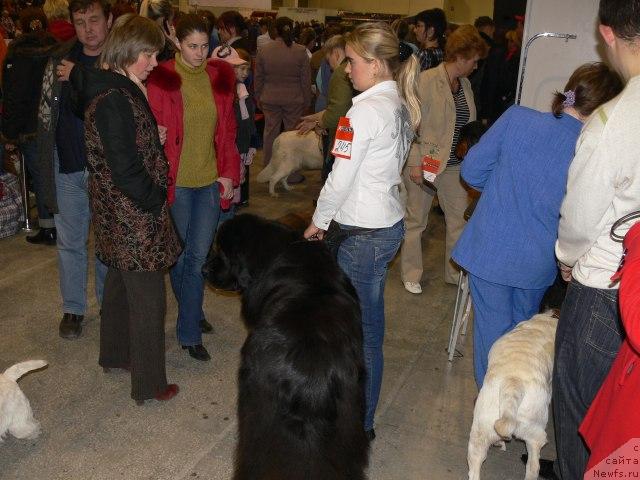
[
  {"x": 514, "y": 399},
  {"x": 291, "y": 152},
  {"x": 16, "y": 416}
]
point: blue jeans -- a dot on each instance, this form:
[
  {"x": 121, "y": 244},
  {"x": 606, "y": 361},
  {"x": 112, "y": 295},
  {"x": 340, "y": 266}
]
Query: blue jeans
[
  {"x": 587, "y": 341},
  {"x": 196, "y": 214},
  {"x": 29, "y": 150},
  {"x": 497, "y": 309},
  {"x": 364, "y": 259},
  {"x": 72, "y": 225}
]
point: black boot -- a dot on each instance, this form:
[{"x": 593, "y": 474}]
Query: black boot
[
  {"x": 71, "y": 326},
  {"x": 45, "y": 236},
  {"x": 205, "y": 327},
  {"x": 198, "y": 352}
]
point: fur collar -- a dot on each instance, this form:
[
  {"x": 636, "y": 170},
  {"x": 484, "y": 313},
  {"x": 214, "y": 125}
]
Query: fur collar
[{"x": 221, "y": 75}]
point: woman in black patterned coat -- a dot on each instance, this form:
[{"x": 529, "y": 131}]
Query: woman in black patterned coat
[{"x": 134, "y": 233}]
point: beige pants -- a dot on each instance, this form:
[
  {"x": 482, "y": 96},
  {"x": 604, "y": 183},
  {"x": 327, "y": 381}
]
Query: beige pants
[{"x": 453, "y": 199}]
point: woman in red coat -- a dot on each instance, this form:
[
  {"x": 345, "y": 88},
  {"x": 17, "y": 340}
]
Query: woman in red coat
[
  {"x": 614, "y": 418},
  {"x": 193, "y": 100}
]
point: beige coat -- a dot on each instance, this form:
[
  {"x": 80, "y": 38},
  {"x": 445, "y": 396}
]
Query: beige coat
[{"x": 435, "y": 134}]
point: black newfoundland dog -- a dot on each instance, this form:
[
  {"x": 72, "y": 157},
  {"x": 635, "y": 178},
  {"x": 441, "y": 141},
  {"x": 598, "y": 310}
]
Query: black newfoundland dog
[{"x": 301, "y": 379}]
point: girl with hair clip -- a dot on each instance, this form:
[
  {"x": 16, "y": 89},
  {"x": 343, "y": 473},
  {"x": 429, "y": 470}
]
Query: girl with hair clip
[
  {"x": 521, "y": 165},
  {"x": 193, "y": 98},
  {"x": 361, "y": 197}
]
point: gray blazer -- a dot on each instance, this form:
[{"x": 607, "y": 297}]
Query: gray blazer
[{"x": 283, "y": 74}]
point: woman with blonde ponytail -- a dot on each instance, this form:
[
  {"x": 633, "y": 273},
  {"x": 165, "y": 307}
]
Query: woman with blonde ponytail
[{"x": 361, "y": 198}]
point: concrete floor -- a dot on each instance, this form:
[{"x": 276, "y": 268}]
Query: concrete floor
[{"x": 91, "y": 429}]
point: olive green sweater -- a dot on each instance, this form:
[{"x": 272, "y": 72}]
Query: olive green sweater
[{"x": 198, "y": 156}]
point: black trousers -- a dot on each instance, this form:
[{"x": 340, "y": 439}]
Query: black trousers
[{"x": 132, "y": 329}]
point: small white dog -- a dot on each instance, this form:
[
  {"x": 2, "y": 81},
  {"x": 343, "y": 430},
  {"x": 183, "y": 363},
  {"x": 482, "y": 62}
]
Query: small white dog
[
  {"x": 291, "y": 152},
  {"x": 16, "y": 416},
  {"x": 514, "y": 399}
]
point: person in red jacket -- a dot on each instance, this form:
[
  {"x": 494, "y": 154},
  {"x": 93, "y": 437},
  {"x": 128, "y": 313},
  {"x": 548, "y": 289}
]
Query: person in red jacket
[
  {"x": 192, "y": 100},
  {"x": 613, "y": 418},
  {"x": 57, "y": 12}
]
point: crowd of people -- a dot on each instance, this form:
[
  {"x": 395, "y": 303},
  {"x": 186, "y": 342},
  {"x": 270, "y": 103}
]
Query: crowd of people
[{"x": 145, "y": 128}]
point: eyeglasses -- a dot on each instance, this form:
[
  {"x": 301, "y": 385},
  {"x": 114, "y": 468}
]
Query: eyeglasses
[{"x": 224, "y": 51}]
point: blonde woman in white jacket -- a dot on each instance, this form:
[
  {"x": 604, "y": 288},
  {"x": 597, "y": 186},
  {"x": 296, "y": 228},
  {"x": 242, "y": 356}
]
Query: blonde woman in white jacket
[{"x": 361, "y": 194}]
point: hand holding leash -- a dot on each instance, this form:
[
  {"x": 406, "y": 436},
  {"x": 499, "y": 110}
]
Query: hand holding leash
[{"x": 313, "y": 233}]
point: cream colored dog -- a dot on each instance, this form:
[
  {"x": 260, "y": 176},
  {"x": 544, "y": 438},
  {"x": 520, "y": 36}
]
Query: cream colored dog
[
  {"x": 16, "y": 416},
  {"x": 291, "y": 152},
  {"x": 514, "y": 399}
]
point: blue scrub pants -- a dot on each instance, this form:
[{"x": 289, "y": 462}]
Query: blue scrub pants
[{"x": 497, "y": 309}]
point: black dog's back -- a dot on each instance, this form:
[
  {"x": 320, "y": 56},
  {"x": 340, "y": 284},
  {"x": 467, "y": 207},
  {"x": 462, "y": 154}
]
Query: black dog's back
[
  {"x": 301, "y": 382},
  {"x": 301, "y": 379}
]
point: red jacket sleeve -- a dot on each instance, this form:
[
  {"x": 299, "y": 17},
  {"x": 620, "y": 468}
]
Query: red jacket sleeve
[
  {"x": 629, "y": 294},
  {"x": 227, "y": 154}
]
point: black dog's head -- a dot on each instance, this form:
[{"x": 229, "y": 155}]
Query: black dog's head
[
  {"x": 469, "y": 135},
  {"x": 244, "y": 246}
]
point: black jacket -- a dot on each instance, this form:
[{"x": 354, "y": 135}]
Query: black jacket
[
  {"x": 115, "y": 120},
  {"x": 22, "y": 83}
]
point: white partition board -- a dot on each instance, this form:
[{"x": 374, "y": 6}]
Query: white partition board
[{"x": 551, "y": 61}]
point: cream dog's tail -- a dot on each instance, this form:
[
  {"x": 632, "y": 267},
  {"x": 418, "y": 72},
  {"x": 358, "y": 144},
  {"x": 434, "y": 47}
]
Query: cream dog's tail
[
  {"x": 19, "y": 369},
  {"x": 511, "y": 393},
  {"x": 266, "y": 173}
]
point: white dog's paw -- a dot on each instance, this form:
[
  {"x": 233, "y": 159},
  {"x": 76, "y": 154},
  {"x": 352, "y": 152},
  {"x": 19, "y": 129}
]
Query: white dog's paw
[
  {"x": 274, "y": 194},
  {"x": 287, "y": 187}
]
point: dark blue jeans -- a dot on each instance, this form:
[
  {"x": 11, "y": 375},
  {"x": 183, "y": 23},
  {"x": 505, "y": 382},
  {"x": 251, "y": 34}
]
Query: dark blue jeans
[
  {"x": 587, "y": 341},
  {"x": 364, "y": 259},
  {"x": 29, "y": 150},
  {"x": 196, "y": 213}
]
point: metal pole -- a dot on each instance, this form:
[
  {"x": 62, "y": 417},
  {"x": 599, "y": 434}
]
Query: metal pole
[
  {"x": 26, "y": 225},
  {"x": 566, "y": 36}
]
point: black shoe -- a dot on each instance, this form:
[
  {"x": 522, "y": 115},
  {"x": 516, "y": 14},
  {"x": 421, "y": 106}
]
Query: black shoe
[
  {"x": 45, "y": 236},
  {"x": 546, "y": 468},
  {"x": 71, "y": 325},
  {"x": 371, "y": 435},
  {"x": 205, "y": 327},
  {"x": 198, "y": 352}
]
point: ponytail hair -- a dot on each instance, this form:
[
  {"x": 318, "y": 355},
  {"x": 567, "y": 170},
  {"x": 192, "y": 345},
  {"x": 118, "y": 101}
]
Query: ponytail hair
[
  {"x": 284, "y": 27},
  {"x": 376, "y": 41},
  {"x": 589, "y": 86},
  {"x": 407, "y": 78}
]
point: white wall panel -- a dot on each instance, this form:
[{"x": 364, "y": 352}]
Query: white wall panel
[{"x": 551, "y": 61}]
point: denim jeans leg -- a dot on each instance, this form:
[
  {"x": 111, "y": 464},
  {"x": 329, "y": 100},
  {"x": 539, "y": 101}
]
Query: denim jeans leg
[
  {"x": 587, "y": 341},
  {"x": 364, "y": 259},
  {"x": 100, "y": 274},
  {"x": 72, "y": 225},
  {"x": 29, "y": 150},
  {"x": 196, "y": 212}
]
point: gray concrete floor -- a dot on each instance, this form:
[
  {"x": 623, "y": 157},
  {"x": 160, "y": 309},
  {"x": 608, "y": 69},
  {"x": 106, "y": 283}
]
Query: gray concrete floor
[{"x": 91, "y": 429}]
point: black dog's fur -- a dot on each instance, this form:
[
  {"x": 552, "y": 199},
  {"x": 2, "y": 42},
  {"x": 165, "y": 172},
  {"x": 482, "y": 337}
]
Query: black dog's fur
[{"x": 301, "y": 379}]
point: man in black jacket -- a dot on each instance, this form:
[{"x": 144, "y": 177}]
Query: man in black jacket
[
  {"x": 22, "y": 81},
  {"x": 63, "y": 158}
]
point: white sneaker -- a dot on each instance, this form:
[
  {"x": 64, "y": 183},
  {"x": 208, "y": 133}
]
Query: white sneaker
[{"x": 413, "y": 287}]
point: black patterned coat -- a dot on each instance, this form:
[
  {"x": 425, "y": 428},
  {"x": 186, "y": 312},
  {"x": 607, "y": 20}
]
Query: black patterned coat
[{"x": 128, "y": 181}]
